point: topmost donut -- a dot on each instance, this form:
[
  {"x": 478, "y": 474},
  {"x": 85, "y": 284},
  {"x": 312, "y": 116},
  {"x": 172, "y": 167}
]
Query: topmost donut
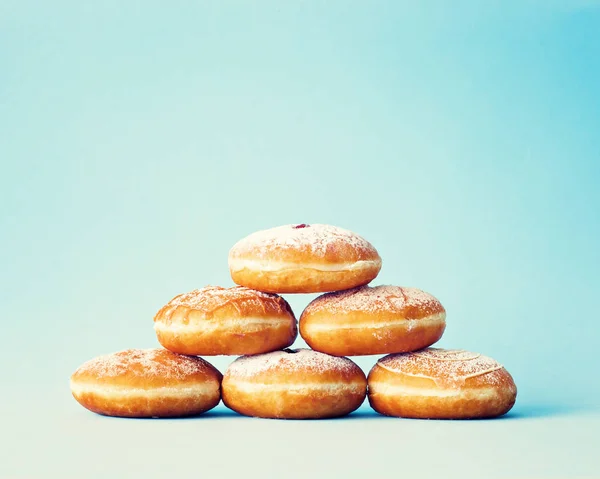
[{"x": 303, "y": 258}]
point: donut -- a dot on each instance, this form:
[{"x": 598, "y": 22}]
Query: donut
[
  {"x": 294, "y": 384},
  {"x": 146, "y": 383},
  {"x": 303, "y": 259},
  {"x": 378, "y": 320},
  {"x": 232, "y": 321},
  {"x": 441, "y": 384}
]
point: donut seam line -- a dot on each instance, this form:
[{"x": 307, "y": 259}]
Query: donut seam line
[
  {"x": 157, "y": 392},
  {"x": 248, "y": 386},
  {"x": 317, "y": 326},
  {"x": 229, "y": 324},
  {"x": 381, "y": 388},
  {"x": 455, "y": 378},
  {"x": 253, "y": 265},
  {"x": 390, "y": 390}
]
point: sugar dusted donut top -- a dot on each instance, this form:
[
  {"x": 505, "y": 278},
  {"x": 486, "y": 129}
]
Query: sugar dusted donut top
[
  {"x": 210, "y": 299},
  {"x": 316, "y": 241},
  {"x": 412, "y": 303},
  {"x": 299, "y": 360},
  {"x": 142, "y": 363},
  {"x": 446, "y": 365}
]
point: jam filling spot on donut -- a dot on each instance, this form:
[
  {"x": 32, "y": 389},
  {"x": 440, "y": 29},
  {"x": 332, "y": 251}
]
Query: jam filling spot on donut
[{"x": 303, "y": 225}]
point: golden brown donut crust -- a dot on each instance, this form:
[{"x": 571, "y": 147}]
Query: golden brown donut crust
[
  {"x": 372, "y": 320},
  {"x": 301, "y": 384},
  {"x": 147, "y": 383},
  {"x": 440, "y": 384},
  {"x": 230, "y": 321},
  {"x": 303, "y": 259}
]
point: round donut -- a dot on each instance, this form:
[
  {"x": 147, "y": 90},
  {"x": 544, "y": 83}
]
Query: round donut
[
  {"x": 379, "y": 320},
  {"x": 294, "y": 384},
  {"x": 441, "y": 384},
  {"x": 146, "y": 383},
  {"x": 231, "y": 321},
  {"x": 303, "y": 259}
]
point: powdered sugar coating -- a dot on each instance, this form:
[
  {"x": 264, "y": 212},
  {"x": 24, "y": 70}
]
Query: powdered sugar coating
[
  {"x": 445, "y": 365},
  {"x": 147, "y": 363},
  {"x": 411, "y": 303},
  {"x": 317, "y": 239},
  {"x": 211, "y": 298},
  {"x": 290, "y": 360}
]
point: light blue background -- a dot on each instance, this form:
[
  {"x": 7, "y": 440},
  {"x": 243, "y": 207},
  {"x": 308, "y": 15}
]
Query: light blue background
[{"x": 138, "y": 142}]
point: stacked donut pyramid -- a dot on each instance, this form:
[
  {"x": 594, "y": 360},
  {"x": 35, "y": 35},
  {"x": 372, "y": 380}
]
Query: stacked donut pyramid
[{"x": 253, "y": 321}]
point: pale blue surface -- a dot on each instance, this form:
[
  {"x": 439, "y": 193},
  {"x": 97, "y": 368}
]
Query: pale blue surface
[{"x": 139, "y": 142}]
